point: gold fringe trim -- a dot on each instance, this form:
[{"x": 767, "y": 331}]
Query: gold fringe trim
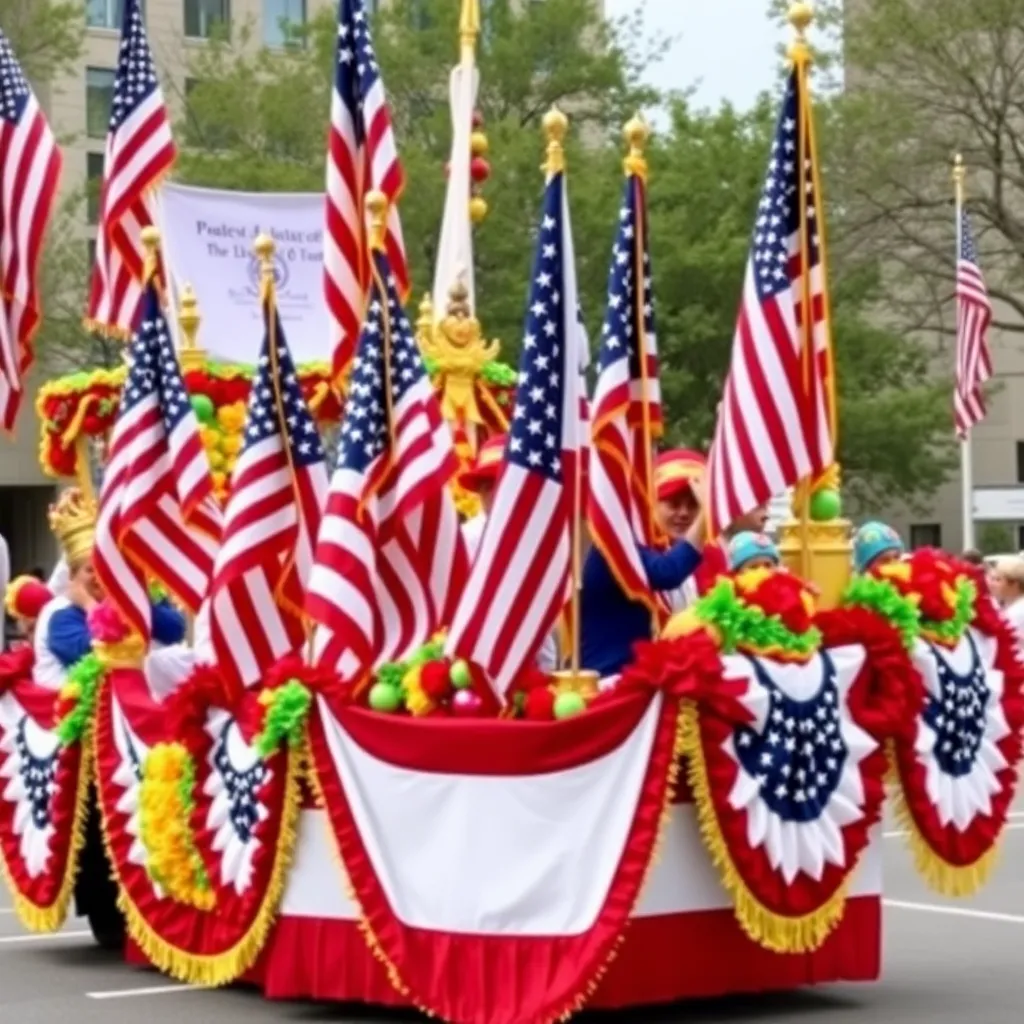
[
  {"x": 956, "y": 880},
  {"x": 773, "y": 931},
  {"x": 32, "y": 916},
  {"x": 221, "y": 968}
]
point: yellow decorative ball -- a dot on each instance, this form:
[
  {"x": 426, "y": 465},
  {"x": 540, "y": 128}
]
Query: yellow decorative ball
[
  {"x": 477, "y": 209},
  {"x": 478, "y": 144}
]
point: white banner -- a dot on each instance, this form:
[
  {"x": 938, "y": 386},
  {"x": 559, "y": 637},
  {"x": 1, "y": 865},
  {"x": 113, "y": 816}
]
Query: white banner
[{"x": 208, "y": 238}]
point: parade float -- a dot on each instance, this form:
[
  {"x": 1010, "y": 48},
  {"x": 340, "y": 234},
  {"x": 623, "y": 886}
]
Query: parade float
[{"x": 707, "y": 823}]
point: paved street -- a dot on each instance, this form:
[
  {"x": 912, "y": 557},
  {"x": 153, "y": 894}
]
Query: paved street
[{"x": 944, "y": 962}]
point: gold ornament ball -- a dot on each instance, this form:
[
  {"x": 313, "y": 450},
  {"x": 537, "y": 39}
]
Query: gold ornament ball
[
  {"x": 478, "y": 144},
  {"x": 477, "y": 209}
]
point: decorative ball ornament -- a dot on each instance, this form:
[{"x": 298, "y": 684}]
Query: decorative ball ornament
[
  {"x": 203, "y": 407},
  {"x": 478, "y": 119},
  {"x": 478, "y": 144},
  {"x": 466, "y": 704},
  {"x": 479, "y": 169},
  {"x": 461, "y": 676},
  {"x": 477, "y": 209},
  {"x": 826, "y": 505},
  {"x": 384, "y": 697},
  {"x": 568, "y": 705}
]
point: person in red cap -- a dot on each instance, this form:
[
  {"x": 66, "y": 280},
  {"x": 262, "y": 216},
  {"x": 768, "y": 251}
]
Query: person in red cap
[
  {"x": 24, "y": 600},
  {"x": 675, "y": 474}
]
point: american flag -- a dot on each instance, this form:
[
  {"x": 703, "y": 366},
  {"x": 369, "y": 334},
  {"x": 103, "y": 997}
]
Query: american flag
[
  {"x": 520, "y": 578},
  {"x": 140, "y": 151},
  {"x": 774, "y": 428},
  {"x": 390, "y": 559},
  {"x": 620, "y": 496},
  {"x": 30, "y": 166},
  {"x": 973, "y": 316},
  {"x": 157, "y": 514},
  {"x": 278, "y": 489},
  {"x": 362, "y": 156}
]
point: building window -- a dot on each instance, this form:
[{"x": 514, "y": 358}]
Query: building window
[
  {"x": 104, "y": 13},
  {"x": 203, "y": 16},
  {"x": 99, "y": 95},
  {"x": 926, "y": 535},
  {"x": 1020, "y": 462},
  {"x": 93, "y": 185},
  {"x": 280, "y": 20}
]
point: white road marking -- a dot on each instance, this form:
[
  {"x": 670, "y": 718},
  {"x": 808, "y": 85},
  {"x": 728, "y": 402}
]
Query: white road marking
[
  {"x": 933, "y": 908},
  {"x": 11, "y": 940},
  {"x": 155, "y": 990}
]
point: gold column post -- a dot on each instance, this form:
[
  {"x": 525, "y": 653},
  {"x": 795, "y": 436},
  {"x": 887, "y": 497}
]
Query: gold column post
[{"x": 815, "y": 541}]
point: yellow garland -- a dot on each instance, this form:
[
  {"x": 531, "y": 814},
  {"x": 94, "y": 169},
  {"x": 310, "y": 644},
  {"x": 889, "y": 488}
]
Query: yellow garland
[
  {"x": 416, "y": 699},
  {"x": 48, "y": 919},
  {"x": 773, "y": 931},
  {"x": 956, "y": 880},
  {"x": 590, "y": 987},
  {"x": 165, "y": 830},
  {"x": 220, "y": 968}
]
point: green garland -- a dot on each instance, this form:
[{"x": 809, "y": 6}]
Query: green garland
[
  {"x": 742, "y": 625},
  {"x": 287, "y": 710},
  {"x": 494, "y": 373},
  {"x": 881, "y": 597},
  {"x": 82, "y": 685},
  {"x": 949, "y": 631}
]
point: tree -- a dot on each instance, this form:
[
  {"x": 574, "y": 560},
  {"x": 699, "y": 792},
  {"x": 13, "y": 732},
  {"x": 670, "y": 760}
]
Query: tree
[
  {"x": 707, "y": 173},
  {"x": 46, "y": 35},
  {"x": 925, "y": 81},
  {"x": 256, "y": 121}
]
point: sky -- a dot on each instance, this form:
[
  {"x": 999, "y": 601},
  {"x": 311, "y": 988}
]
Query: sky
[{"x": 726, "y": 48}]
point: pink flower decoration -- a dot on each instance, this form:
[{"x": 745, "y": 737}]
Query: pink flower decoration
[{"x": 106, "y": 625}]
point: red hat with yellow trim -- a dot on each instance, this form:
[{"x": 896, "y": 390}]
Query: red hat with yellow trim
[
  {"x": 676, "y": 470},
  {"x": 26, "y": 597},
  {"x": 488, "y": 463}
]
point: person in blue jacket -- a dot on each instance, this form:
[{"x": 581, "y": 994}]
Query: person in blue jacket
[
  {"x": 62, "y": 636},
  {"x": 611, "y": 621}
]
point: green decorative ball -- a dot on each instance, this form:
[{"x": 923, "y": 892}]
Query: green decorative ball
[
  {"x": 568, "y": 705},
  {"x": 826, "y": 505},
  {"x": 384, "y": 697},
  {"x": 460, "y": 675},
  {"x": 203, "y": 408}
]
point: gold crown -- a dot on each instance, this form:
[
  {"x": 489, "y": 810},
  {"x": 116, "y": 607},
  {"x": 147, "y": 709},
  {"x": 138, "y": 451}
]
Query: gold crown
[{"x": 73, "y": 521}]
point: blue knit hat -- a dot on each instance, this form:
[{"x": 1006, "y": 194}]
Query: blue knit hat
[
  {"x": 746, "y": 546},
  {"x": 871, "y": 540}
]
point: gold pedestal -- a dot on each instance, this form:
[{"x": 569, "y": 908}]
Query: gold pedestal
[
  {"x": 584, "y": 682},
  {"x": 829, "y": 557}
]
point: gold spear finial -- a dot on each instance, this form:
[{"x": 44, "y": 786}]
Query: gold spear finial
[
  {"x": 469, "y": 25},
  {"x": 377, "y": 208},
  {"x": 556, "y": 125},
  {"x": 264, "y": 249},
  {"x": 637, "y": 134},
  {"x": 800, "y": 16}
]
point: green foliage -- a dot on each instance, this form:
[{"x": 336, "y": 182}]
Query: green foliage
[
  {"x": 46, "y": 35},
  {"x": 257, "y": 119}
]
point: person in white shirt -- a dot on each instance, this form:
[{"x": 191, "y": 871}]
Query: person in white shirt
[
  {"x": 1006, "y": 582},
  {"x": 481, "y": 480}
]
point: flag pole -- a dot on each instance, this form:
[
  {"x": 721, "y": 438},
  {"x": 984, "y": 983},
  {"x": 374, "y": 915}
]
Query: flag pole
[
  {"x": 635, "y": 165},
  {"x": 966, "y": 468},
  {"x": 800, "y": 16}
]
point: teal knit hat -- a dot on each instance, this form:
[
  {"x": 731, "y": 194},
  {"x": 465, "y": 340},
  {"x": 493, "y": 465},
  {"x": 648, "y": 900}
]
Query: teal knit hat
[
  {"x": 871, "y": 540},
  {"x": 746, "y": 546}
]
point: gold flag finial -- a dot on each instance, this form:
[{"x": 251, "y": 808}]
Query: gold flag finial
[
  {"x": 637, "y": 134},
  {"x": 151, "y": 243},
  {"x": 800, "y": 16},
  {"x": 469, "y": 25},
  {"x": 191, "y": 355},
  {"x": 377, "y": 208},
  {"x": 556, "y": 125},
  {"x": 959, "y": 171}
]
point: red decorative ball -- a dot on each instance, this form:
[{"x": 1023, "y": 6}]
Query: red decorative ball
[
  {"x": 479, "y": 169},
  {"x": 436, "y": 680},
  {"x": 540, "y": 705},
  {"x": 478, "y": 119}
]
